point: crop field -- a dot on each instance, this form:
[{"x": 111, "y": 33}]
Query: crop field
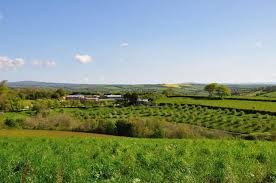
[
  {"x": 89, "y": 159},
  {"x": 228, "y": 120},
  {"x": 238, "y": 104},
  {"x": 223, "y": 119}
]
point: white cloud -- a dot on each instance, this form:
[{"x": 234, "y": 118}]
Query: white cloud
[
  {"x": 258, "y": 44},
  {"x": 44, "y": 64},
  {"x": 83, "y": 59},
  {"x": 124, "y": 44},
  {"x": 7, "y": 63}
]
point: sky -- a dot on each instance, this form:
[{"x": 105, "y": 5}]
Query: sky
[{"x": 138, "y": 41}]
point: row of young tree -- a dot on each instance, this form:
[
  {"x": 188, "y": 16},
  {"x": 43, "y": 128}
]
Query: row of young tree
[{"x": 215, "y": 89}]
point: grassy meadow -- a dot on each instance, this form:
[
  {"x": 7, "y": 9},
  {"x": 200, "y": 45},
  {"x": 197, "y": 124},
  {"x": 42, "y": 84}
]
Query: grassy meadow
[{"x": 88, "y": 159}]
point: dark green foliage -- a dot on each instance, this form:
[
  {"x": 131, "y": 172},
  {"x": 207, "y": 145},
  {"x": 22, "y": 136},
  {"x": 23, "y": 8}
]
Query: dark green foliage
[
  {"x": 131, "y": 98},
  {"x": 124, "y": 128},
  {"x": 13, "y": 123}
]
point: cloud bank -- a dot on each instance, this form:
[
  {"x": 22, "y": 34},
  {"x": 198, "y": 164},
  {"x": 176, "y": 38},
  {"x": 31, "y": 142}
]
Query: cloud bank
[
  {"x": 83, "y": 59},
  {"x": 7, "y": 63}
]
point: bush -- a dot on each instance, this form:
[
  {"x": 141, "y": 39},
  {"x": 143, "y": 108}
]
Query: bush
[
  {"x": 55, "y": 122},
  {"x": 124, "y": 128},
  {"x": 147, "y": 128},
  {"x": 107, "y": 127},
  {"x": 13, "y": 123}
]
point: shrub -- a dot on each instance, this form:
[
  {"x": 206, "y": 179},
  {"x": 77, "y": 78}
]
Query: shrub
[
  {"x": 124, "y": 128},
  {"x": 147, "y": 128},
  {"x": 106, "y": 126},
  {"x": 12, "y": 123},
  {"x": 55, "y": 122}
]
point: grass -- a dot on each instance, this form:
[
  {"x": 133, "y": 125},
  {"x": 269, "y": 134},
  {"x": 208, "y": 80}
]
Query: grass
[
  {"x": 238, "y": 104},
  {"x": 270, "y": 95},
  {"x": 88, "y": 159}
]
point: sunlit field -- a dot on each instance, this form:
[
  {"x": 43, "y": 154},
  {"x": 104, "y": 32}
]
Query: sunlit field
[{"x": 88, "y": 159}]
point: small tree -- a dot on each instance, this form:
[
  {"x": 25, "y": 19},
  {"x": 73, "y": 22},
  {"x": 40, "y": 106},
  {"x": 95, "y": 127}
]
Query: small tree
[
  {"x": 211, "y": 89},
  {"x": 3, "y": 87},
  {"x": 223, "y": 91},
  {"x": 131, "y": 98}
]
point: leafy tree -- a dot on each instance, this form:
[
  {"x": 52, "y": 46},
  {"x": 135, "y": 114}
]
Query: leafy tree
[
  {"x": 131, "y": 98},
  {"x": 211, "y": 89},
  {"x": 168, "y": 92},
  {"x": 40, "y": 106},
  {"x": 223, "y": 91},
  {"x": 59, "y": 93},
  {"x": 3, "y": 87},
  {"x": 15, "y": 103},
  {"x": 216, "y": 89}
]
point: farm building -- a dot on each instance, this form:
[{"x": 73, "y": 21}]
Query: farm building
[
  {"x": 114, "y": 97},
  {"x": 82, "y": 97},
  {"x": 93, "y": 98},
  {"x": 75, "y": 97}
]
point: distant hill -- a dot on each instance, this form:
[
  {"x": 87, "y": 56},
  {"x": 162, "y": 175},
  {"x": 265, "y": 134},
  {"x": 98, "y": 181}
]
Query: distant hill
[
  {"x": 86, "y": 87},
  {"x": 188, "y": 88},
  {"x": 181, "y": 88}
]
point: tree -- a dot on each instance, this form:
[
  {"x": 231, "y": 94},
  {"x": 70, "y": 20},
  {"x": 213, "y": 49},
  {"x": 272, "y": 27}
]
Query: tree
[
  {"x": 211, "y": 89},
  {"x": 3, "y": 87},
  {"x": 61, "y": 92},
  {"x": 131, "y": 98},
  {"x": 223, "y": 91},
  {"x": 168, "y": 92},
  {"x": 4, "y": 96},
  {"x": 40, "y": 106}
]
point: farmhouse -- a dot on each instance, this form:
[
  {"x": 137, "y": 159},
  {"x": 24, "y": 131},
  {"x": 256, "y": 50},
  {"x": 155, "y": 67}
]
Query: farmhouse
[
  {"x": 114, "y": 97},
  {"x": 82, "y": 97},
  {"x": 93, "y": 98},
  {"x": 75, "y": 97},
  {"x": 142, "y": 101}
]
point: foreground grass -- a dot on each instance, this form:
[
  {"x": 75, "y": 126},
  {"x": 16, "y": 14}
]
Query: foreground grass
[{"x": 86, "y": 159}]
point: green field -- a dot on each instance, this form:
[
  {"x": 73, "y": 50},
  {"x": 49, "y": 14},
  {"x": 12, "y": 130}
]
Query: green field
[
  {"x": 270, "y": 95},
  {"x": 88, "y": 159},
  {"x": 238, "y": 104}
]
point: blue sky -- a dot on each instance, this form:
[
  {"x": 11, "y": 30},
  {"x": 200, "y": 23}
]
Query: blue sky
[{"x": 139, "y": 41}]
